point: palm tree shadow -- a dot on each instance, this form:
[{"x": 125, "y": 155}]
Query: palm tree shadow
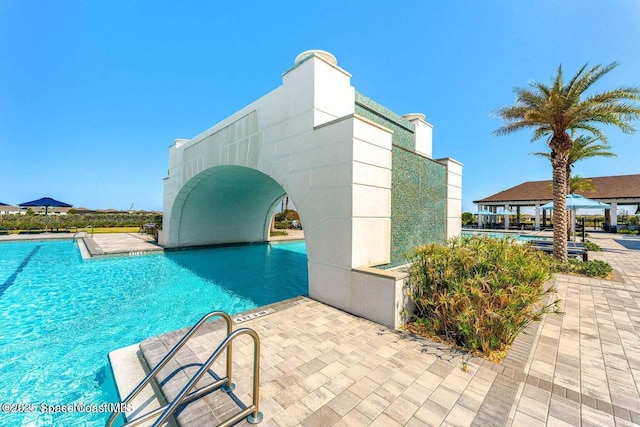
[{"x": 439, "y": 350}]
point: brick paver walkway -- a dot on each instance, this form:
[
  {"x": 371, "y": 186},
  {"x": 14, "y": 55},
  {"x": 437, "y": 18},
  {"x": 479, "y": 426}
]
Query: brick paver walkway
[{"x": 322, "y": 367}]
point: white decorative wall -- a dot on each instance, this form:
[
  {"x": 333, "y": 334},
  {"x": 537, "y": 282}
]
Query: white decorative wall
[{"x": 304, "y": 140}]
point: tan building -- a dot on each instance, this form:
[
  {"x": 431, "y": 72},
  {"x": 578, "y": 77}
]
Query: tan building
[{"x": 8, "y": 209}]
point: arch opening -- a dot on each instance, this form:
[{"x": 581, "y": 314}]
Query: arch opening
[{"x": 227, "y": 204}]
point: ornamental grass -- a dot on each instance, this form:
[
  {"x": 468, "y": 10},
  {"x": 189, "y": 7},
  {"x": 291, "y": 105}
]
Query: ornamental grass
[{"x": 478, "y": 293}]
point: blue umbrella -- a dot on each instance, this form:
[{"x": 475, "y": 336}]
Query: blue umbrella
[
  {"x": 46, "y": 203},
  {"x": 576, "y": 201}
]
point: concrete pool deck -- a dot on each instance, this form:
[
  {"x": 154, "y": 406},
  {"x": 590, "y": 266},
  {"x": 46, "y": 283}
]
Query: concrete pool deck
[
  {"x": 98, "y": 244},
  {"x": 321, "y": 366}
]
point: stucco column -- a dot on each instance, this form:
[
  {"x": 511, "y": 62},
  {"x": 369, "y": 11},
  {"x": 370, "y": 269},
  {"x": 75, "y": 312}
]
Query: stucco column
[
  {"x": 572, "y": 218},
  {"x": 454, "y": 196},
  {"x": 537, "y": 224},
  {"x": 423, "y": 134},
  {"x": 506, "y": 217},
  {"x": 614, "y": 214}
]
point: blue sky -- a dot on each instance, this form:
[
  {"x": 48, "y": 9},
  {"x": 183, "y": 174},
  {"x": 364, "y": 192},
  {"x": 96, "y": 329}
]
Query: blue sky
[{"x": 92, "y": 93}]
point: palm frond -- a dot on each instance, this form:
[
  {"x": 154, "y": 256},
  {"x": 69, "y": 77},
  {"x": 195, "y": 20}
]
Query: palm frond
[
  {"x": 557, "y": 83},
  {"x": 541, "y": 154},
  {"x": 614, "y": 96},
  {"x": 577, "y": 76},
  {"x": 512, "y": 127},
  {"x": 585, "y": 147},
  {"x": 593, "y": 130},
  {"x": 595, "y": 73},
  {"x": 541, "y": 132},
  {"x": 540, "y": 87},
  {"x": 512, "y": 113},
  {"x": 579, "y": 184},
  {"x": 603, "y": 115}
]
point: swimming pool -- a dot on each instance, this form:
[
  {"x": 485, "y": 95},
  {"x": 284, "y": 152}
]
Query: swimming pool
[{"x": 61, "y": 315}]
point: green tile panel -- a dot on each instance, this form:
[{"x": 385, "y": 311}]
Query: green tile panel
[{"x": 418, "y": 185}]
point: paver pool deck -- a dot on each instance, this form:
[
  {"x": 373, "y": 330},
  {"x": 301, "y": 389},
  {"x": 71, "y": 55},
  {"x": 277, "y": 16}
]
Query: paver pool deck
[{"x": 321, "y": 366}]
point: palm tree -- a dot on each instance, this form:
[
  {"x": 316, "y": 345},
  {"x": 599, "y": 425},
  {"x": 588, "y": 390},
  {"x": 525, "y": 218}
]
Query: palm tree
[
  {"x": 578, "y": 184},
  {"x": 554, "y": 111},
  {"x": 584, "y": 147}
]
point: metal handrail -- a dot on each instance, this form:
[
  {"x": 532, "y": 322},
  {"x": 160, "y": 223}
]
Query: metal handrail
[
  {"x": 85, "y": 231},
  {"x": 254, "y": 416},
  {"x": 541, "y": 231},
  {"x": 151, "y": 375}
]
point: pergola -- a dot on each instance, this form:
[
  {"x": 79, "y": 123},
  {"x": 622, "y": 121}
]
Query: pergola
[{"x": 621, "y": 190}]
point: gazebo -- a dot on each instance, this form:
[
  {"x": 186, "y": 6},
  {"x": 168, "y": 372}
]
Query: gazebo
[{"x": 621, "y": 190}]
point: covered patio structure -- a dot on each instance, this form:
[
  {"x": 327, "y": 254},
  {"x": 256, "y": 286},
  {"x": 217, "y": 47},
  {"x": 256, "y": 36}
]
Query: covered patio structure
[{"x": 617, "y": 191}]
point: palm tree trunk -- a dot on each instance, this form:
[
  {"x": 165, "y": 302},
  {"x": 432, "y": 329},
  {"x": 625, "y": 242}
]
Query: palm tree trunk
[
  {"x": 569, "y": 216},
  {"x": 559, "y": 164}
]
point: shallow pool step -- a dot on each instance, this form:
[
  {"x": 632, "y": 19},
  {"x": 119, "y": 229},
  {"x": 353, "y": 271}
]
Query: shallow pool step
[
  {"x": 93, "y": 248},
  {"x": 129, "y": 369}
]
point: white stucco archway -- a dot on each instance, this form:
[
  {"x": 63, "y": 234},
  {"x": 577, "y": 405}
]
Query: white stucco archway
[
  {"x": 226, "y": 204},
  {"x": 303, "y": 139}
]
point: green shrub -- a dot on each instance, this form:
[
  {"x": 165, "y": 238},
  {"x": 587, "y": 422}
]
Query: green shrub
[
  {"x": 287, "y": 215},
  {"x": 279, "y": 233},
  {"x": 467, "y": 218},
  {"x": 281, "y": 225},
  {"x": 119, "y": 219},
  {"x": 624, "y": 231},
  {"x": 479, "y": 292},
  {"x": 591, "y": 246},
  {"x": 594, "y": 268}
]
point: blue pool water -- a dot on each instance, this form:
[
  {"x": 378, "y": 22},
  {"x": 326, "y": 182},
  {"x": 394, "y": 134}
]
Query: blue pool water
[{"x": 61, "y": 316}]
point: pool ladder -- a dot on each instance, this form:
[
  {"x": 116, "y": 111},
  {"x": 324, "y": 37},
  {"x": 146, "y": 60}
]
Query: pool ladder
[
  {"x": 251, "y": 412},
  {"x": 84, "y": 231}
]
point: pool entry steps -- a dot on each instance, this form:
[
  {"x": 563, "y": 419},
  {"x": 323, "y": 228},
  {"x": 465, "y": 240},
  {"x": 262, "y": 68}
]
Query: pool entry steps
[
  {"x": 186, "y": 395},
  {"x": 91, "y": 245}
]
